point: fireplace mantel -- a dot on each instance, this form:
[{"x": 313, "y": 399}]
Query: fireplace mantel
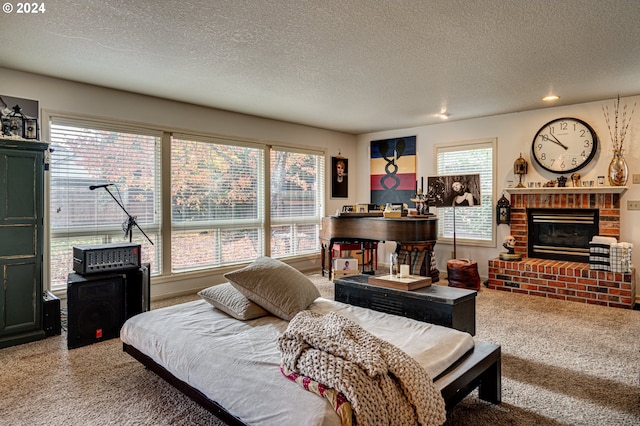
[{"x": 568, "y": 190}]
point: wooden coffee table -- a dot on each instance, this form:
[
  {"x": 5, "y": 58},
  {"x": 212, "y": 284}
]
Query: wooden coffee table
[{"x": 447, "y": 306}]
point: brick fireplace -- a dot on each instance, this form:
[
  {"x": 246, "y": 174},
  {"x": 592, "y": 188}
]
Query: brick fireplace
[{"x": 560, "y": 279}]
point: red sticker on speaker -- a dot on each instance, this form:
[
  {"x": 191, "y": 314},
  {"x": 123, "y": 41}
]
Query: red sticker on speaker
[{"x": 98, "y": 333}]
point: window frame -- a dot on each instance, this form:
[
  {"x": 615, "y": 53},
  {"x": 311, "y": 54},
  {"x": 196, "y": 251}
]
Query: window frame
[
  {"x": 300, "y": 221},
  {"x": 163, "y": 151},
  {"x": 467, "y": 145},
  {"x": 108, "y": 233},
  {"x": 219, "y": 224}
]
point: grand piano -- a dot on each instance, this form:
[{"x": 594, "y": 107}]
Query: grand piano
[{"x": 415, "y": 238}]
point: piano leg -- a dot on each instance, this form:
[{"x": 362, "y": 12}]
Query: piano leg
[{"x": 369, "y": 257}]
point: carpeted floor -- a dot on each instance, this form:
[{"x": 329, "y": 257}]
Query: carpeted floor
[{"x": 564, "y": 363}]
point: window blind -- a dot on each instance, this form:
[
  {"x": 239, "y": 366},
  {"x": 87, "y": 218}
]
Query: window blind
[
  {"x": 217, "y": 216},
  {"x": 474, "y": 224},
  {"x": 86, "y": 153},
  {"x": 297, "y": 194}
]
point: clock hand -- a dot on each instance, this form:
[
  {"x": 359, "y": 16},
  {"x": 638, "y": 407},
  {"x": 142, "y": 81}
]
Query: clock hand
[{"x": 558, "y": 142}]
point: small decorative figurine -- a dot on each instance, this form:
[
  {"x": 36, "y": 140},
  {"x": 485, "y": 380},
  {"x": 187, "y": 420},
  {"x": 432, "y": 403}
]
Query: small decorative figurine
[
  {"x": 510, "y": 244},
  {"x": 575, "y": 179}
]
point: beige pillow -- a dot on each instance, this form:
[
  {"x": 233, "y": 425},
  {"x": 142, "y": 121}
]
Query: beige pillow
[
  {"x": 279, "y": 288},
  {"x": 226, "y": 298}
]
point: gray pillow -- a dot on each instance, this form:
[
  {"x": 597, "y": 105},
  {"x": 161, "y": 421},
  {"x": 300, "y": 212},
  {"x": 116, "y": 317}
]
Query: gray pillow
[
  {"x": 226, "y": 298},
  {"x": 279, "y": 288}
]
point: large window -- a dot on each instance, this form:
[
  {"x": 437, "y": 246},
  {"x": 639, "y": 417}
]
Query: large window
[
  {"x": 473, "y": 225},
  {"x": 91, "y": 153},
  {"x": 297, "y": 194},
  {"x": 223, "y": 201},
  {"x": 216, "y": 199}
]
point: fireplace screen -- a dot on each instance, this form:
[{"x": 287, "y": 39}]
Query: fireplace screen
[{"x": 561, "y": 234}]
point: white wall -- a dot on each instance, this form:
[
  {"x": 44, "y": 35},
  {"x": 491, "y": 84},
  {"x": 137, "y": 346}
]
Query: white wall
[
  {"x": 64, "y": 96},
  {"x": 515, "y": 133}
]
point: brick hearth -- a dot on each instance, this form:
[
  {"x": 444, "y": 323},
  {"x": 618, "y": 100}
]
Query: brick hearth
[
  {"x": 564, "y": 280},
  {"x": 572, "y": 281}
]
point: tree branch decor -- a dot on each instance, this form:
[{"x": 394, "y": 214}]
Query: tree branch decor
[{"x": 620, "y": 123}]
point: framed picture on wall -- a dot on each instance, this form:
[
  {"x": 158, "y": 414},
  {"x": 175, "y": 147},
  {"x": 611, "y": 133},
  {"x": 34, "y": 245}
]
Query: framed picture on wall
[
  {"x": 393, "y": 170},
  {"x": 339, "y": 177},
  {"x": 19, "y": 117},
  {"x": 454, "y": 190}
]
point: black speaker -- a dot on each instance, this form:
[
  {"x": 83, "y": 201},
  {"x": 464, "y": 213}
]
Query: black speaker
[
  {"x": 95, "y": 308},
  {"x": 137, "y": 290},
  {"x": 51, "y": 322}
]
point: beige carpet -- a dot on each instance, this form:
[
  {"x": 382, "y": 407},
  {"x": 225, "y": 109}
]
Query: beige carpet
[{"x": 564, "y": 363}]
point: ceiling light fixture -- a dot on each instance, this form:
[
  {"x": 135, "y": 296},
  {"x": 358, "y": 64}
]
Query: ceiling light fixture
[
  {"x": 551, "y": 98},
  {"x": 443, "y": 115}
]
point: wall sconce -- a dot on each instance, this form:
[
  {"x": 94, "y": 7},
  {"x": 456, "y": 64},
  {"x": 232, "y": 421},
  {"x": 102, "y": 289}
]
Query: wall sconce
[
  {"x": 520, "y": 168},
  {"x": 503, "y": 211}
]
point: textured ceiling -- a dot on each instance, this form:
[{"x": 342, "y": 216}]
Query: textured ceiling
[{"x": 355, "y": 66}]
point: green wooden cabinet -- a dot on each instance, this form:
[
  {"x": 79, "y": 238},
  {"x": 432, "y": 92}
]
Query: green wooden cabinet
[{"x": 21, "y": 241}]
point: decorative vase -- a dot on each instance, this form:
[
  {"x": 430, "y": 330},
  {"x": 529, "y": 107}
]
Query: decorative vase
[{"x": 618, "y": 170}]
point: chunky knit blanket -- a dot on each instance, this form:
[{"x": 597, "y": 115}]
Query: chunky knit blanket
[{"x": 384, "y": 385}]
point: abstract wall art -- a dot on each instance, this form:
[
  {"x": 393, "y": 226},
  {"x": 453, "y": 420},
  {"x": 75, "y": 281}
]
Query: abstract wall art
[{"x": 393, "y": 170}]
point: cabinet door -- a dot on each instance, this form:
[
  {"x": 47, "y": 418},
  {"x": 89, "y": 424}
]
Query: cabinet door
[
  {"x": 20, "y": 173},
  {"x": 18, "y": 298},
  {"x": 21, "y": 222}
]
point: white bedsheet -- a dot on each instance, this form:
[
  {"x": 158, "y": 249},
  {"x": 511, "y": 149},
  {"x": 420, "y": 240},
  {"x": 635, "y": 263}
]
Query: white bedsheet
[{"x": 236, "y": 363}]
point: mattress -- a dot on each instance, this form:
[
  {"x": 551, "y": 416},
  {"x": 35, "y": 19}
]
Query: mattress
[{"x": 236, "y": 363}]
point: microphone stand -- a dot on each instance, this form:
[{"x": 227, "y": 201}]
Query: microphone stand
[{"x": 131, "y": 220}]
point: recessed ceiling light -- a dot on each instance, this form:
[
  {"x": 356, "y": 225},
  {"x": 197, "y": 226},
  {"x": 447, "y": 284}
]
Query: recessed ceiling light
[
  {"x": 443, "y": 115},
  {"x": 551, "y": 98}
]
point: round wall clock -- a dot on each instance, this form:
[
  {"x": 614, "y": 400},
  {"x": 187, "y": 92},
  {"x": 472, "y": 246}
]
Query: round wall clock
[{"x": 564, "y": 145}]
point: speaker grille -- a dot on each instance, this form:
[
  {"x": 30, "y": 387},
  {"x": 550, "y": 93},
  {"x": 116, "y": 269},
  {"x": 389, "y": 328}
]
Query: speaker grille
[{"x": 95, "y": 308}]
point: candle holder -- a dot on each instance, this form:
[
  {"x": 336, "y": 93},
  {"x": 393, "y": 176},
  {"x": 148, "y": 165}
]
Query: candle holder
[{"x": 520, "y": 168}]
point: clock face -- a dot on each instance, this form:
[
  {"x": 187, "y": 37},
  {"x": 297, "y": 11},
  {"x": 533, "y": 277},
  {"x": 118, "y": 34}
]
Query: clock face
[{"x": 564, "y": 145}]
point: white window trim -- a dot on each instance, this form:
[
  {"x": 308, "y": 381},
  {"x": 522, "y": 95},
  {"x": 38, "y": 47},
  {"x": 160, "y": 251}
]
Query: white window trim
[
  {"x": 215, "y": 224},
  {"x": 293, "y": 221},
  {"x": 471, "y": 144},
  {"x": 97, "y": 123}
]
